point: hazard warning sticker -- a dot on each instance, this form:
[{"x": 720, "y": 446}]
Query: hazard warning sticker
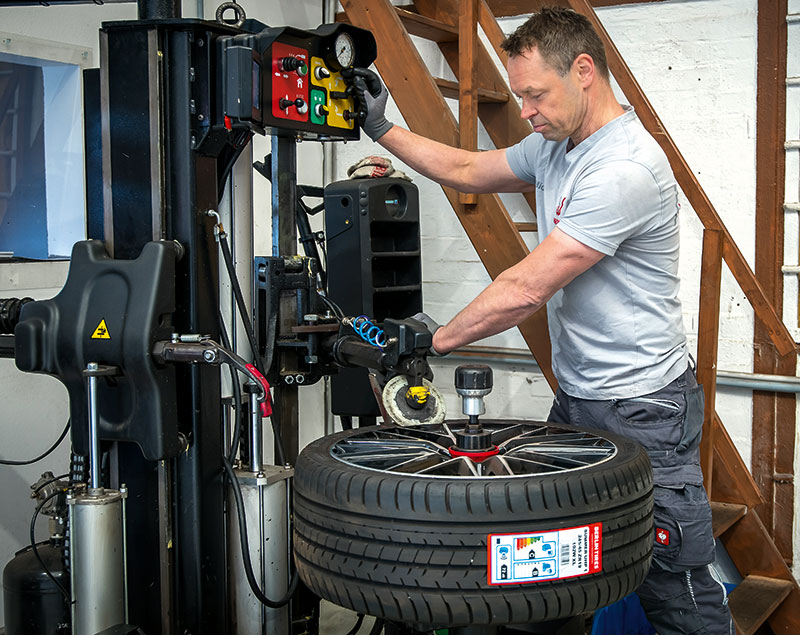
[
  {"x": 545, "y": 555},
  {"x": 101, "y": 332}
]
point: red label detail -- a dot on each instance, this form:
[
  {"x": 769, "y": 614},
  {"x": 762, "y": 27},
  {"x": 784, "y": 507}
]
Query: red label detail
[
  {"x": 560, "y": 206},
  {"x": 595, "y": 547},
  {"x": 662, "y": 536}
]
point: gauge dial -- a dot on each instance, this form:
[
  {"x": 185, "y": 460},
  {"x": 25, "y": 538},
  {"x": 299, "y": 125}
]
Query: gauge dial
[{"x": 345, "y": 50}]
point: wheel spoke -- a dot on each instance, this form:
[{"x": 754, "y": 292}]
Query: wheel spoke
[
  {"x": 458, "y": 465},
  {"x": 498, "y": 466},
  {"x": 504, "y": 434},
  {"x": 520, "y": 465},
  {"x": 543, "y": 459},
  {"x": 412, "y": 434}
]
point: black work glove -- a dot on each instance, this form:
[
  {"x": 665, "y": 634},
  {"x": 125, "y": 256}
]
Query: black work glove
[
  {"x": 432, "y": 326},
  {"x": 372, "y": 95}
]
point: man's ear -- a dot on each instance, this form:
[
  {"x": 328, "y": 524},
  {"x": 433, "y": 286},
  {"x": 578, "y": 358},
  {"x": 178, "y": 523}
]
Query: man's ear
[{"x": 583, "y": 66}]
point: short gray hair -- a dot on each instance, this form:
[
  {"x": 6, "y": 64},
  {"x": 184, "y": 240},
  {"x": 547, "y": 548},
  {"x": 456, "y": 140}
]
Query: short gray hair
[{"x": 560, "y": 35}]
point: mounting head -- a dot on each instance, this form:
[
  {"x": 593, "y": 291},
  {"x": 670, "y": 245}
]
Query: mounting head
[{"x": 473, "y": 383}]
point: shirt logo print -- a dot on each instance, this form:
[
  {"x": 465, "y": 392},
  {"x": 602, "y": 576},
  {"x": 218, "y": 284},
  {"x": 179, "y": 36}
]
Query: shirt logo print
[{"x": 558, "y": 210}]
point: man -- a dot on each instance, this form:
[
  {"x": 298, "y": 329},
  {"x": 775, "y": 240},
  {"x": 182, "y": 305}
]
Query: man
[{"x": 606, "y": 266}]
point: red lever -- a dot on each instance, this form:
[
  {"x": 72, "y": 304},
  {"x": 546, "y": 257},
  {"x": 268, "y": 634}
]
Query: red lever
[{"x": 266, "y": 405}]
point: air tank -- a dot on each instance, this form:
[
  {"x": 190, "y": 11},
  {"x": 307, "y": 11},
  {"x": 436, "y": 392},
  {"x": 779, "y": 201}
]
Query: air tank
[{"x": 33, "y": 603}]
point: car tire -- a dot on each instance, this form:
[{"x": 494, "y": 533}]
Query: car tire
[{"x": 412, "y": 547}]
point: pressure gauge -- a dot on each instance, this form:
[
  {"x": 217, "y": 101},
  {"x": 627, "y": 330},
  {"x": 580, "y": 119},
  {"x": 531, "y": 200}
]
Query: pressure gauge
[{"x": 345, "y": 50}]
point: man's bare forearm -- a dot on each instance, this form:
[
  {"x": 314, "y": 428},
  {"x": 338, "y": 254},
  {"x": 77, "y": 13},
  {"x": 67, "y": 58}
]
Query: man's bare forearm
[
  {"x": 501, "y": 306},
  {"x": 437, "y": 161},
  {"x": 518, "y": 292},
  {"x": 453, "y": 167}
]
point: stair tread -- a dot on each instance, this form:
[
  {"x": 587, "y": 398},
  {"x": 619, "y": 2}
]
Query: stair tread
[
  {"x": 419, "y": 25},
  {"x": 427, "y": 28},
  {"x": 754, "y": 600},
  {"x": 724, "y": 515},
  {"x": 449, "y": 90}
]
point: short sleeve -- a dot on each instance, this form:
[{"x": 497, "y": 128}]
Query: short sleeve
[
  {"x": 610, "y": 204},
  {"x": 522, "y": 157}
]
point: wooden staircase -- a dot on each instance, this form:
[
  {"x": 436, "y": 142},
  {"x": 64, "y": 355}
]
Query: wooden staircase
[{"x": 768, "y": 593}]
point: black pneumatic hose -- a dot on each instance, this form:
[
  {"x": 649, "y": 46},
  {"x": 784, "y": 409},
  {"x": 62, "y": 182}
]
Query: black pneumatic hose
[
  {"x": 237, "y": 394},
  {"x": 35, "y": 550},
  {"x": 245, "y": 548},
  {"x": 9, "y": 313},
  {"x": 43, "y": 454},
  {"x": 237, "y": 292}
]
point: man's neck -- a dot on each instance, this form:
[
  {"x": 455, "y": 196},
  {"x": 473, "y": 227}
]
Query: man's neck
[{"x": 602, "y": 110}]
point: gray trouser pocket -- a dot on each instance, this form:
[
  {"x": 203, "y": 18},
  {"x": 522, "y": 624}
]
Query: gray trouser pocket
[
  {"x": 692, "y": 428},
  {"x": 682, "y": 525},
  {"x": 669, "y": 424}
]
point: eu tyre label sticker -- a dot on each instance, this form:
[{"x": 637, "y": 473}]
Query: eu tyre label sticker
[{"x": 545, "y": 555}]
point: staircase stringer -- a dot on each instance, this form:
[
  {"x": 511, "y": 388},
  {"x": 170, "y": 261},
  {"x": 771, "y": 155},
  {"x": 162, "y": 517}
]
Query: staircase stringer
[{"x": 487, "y": 223}]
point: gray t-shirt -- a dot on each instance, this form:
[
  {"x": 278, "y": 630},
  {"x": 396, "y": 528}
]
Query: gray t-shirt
[{"x": 616, "y": 330}]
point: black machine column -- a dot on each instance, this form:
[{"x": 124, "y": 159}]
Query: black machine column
[
  {"x": 159, "y": 9},
  {"x": 157, "y": 187}
]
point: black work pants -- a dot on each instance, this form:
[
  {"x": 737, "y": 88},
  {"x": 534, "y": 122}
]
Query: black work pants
[{"x": 680, "y": 593}]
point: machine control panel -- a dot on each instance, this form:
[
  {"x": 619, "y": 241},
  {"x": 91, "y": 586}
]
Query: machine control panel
[{"x": 290, "y": 81}]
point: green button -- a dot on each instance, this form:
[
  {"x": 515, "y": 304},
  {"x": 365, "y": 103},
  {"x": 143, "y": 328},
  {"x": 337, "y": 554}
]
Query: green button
[{"x": 319, "y": 107}]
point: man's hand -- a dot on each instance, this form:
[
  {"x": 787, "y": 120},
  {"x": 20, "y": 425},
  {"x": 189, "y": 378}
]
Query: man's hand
[
  {"x": 373, "y": 95},
  {"x": 432, "y": 326}
]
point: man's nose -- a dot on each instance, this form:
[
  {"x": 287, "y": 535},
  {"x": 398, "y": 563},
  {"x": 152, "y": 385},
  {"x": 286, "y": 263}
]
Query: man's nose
[{"x": 528, "y": 111}]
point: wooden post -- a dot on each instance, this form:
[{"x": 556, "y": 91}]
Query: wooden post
[
  {"x": 774, "y": 414},
  {"x": 467, "y": 93},
  {"x": 707, "y": 340}
]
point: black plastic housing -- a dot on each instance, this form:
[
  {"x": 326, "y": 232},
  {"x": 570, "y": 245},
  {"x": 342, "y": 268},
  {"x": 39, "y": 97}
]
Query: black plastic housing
[
  {"x": 110, "y": 312},
  {"x": 372, "y": 229}
]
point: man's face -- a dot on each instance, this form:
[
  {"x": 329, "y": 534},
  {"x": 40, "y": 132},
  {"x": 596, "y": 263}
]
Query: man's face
[{"x": 554, "y": 105}]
